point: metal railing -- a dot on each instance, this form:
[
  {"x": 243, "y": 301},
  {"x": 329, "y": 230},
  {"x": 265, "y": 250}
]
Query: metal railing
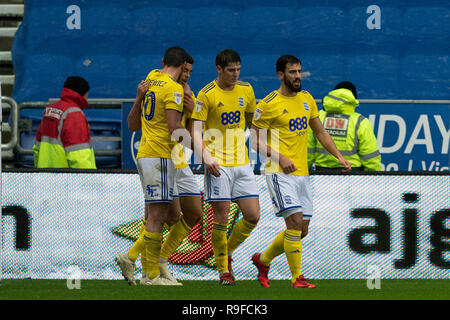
[
  {"x": 93, "y": 104},
  {"x": 13, "y": 111},
  {"x": 117, "y": 104}
]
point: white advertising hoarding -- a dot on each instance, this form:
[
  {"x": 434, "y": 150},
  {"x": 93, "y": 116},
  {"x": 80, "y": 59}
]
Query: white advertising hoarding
[{"x": 55, "y": 222}]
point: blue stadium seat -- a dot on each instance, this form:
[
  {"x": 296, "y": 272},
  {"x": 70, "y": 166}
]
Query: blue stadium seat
[
  {"x": 390, "y": 36},
  {"x": 319, "y": 27},
  {"x": 98, "y": 129},
  {"x": 213, "y": 28},
  {"x": 42, "y": 77},
  {"x": 144, "y": 4},
  {"x": 269, "y": 3},
  {"x": 321, "y": 73},
  {"x": 154, "y": 29},
  {"x": 260, "y": 71},
  {"x": 425, "y": 76},
  {"x": 428, "y": 27},
  {"x": 267, "y": 29},
  {"x": 374, "y": 75},
  {"x": 138, "y": 69},
  {"x": 104, "y": 30},
  {"x": 204, "y": 71},
  {"x": 106, "y": 74},
  {"x": 26, "y": 141},
  {"x": 106, "y": 129},
  {"x": 46, "y": 30}
]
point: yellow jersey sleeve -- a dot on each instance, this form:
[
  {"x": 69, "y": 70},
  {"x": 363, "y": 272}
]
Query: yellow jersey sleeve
[
  {"x": 201, "y": 107},
  {"x": 251, "y": 105},
  {"x": 263, "y": 116},
  {"x": 314, "y": 110},
  {"x": 174, "y": 98}
]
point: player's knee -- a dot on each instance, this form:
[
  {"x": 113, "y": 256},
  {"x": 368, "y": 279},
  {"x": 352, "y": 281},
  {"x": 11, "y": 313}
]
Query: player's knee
[
  {"x": 193, "y": 218},
  {"x": 171, "y": 220},
  {"x": 305, "y": 230},
  {"x": 304, "y": 233},
  {"x": 254, "y": 219}
]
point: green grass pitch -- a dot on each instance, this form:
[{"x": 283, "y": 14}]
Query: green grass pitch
[{"x": 29, "y": 289}]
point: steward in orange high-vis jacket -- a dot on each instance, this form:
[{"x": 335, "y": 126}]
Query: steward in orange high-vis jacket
[{"x": 63, "y": 137}]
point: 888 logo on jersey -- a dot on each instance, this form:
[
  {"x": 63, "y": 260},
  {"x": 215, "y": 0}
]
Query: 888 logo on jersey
[
  {"x": 230, "y": 117},
  {"x": 298, "y": 124}
]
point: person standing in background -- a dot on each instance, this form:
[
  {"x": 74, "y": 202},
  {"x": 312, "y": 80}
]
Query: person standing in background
[
  {"x": 63, "y": 138},
  {"x": 351, "y": 132}
]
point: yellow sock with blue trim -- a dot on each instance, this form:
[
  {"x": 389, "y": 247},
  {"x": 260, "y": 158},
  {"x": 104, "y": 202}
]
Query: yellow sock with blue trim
[
  {"x": 241, "y": 231},
  {"x": 138, "y": 245},
  {"x": 177, "y": 233},
  {"x": 219, "y": 244},
  {"x": 274, "y": 250},
  {"x": 293, "y": 250},
  {"x": 152, "y": 250}
]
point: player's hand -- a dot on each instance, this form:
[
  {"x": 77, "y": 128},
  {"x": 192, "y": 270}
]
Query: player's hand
[
  {"x": 187, "y": 89},
  {"x": 346, "y": 164},
  {"x": 142, "y": 89},
  {"x": 286, "y": 164},
  {"x": 211, "y": 164},
  {"x": 188, "y": 102}
]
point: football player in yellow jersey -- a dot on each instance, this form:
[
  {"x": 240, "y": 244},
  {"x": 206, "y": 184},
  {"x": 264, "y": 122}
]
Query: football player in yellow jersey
[
  {"x": 283, "y": 117},
  {"x": 159, "y": 188},
  {"x": 223, "y": 108}
]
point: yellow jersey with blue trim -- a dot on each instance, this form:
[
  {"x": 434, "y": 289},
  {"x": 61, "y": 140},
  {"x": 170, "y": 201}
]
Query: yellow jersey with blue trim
[
  {"x": 179, "y": 157},
  {"x": 223, "y": 113},
  {"x": 286, "y": 120},
  {"x": 163, "y": 94}
]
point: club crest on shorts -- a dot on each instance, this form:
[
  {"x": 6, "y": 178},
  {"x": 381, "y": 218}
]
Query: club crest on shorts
[
  {"x": 258, "y": 113},
  {"x": 178, "y": 97}
]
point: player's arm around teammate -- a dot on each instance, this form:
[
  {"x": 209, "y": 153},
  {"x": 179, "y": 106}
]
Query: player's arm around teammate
[
  {"x": 187, "y": 197},
  {"x": 134, "y": 116}
]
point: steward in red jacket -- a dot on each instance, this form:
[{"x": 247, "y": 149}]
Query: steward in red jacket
[{"x": 63, "y": 137}]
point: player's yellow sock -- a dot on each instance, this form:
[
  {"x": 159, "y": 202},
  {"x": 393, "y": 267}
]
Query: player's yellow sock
[
  {"x": 219, "y": 244},
  {"x": 176, "y": 235},
  {"x": 137, "y": 248},
  {"x": 138, "y": 245},
  {"x": 153, "y": 249},
  {"x": 144, "y": 261},
  {"x": 293, "y": 250},
  {"x": 274, "y": 250},
  {"x": 241, "y": 231}
]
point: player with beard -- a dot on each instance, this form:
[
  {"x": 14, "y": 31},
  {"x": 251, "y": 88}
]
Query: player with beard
[{"x": 285, "y": 114}]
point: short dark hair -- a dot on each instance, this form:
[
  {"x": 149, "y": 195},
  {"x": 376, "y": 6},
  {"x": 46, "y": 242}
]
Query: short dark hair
[
  {"x": 189, "y": 59},
  {"x": 77, "y": 84},
  {"x": 174, "y": 57},
  {"x": 227, "y": 56},
  {"x": 283, "y": 61},
  {"x": 347, "y": 85}
]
